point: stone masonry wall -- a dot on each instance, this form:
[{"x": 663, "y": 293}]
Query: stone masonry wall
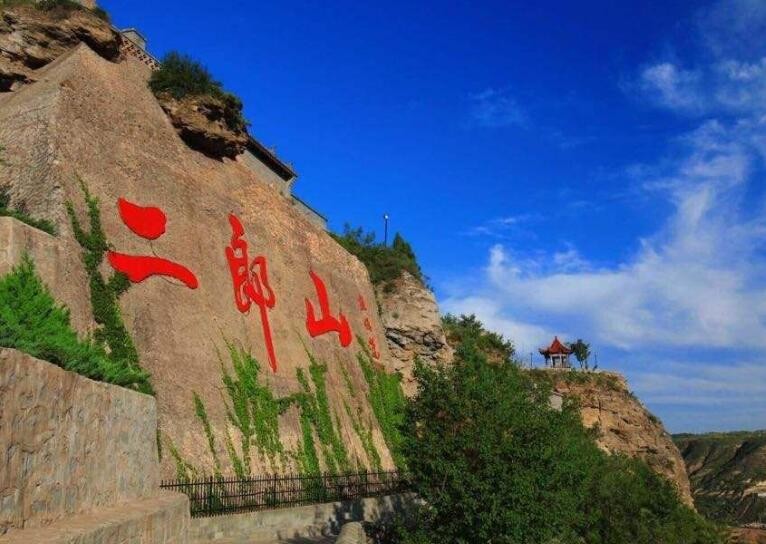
[{"x": 69, "y": 444}]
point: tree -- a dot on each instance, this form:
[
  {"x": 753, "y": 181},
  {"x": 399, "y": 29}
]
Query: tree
[
  {"x": 493, "y": 462},
  {"x": 385, "y": 264},
  {"x": 467, "y": 328},
  {"x": 581, "y": 352}
]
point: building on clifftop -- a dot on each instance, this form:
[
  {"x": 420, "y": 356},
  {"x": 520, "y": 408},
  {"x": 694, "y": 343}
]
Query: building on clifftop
[{"x": 556, "y": 355}]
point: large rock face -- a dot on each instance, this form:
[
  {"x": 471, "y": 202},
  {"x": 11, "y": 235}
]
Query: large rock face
[
  {"x": 87, "y": 120},
  {"x": 625, "y": 425},
  {"x": 413, "y": 326}
]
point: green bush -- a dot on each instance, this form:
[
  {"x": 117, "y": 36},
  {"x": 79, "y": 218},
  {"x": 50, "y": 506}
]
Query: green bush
[
  {"x": 32, "y": 322},
  {"x": 467, "y": 328},
  {"x": 181, "y": 76},
  {"x": 494, "y": 462},
  {"x": 384, "y": 263}
]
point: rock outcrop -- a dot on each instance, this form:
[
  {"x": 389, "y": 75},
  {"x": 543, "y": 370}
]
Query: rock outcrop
[
  {"x": 201, "y": 122},
  {"x": 625, "y": 425},
  {"x": 413, "y": 326},
  {"x": 31, "y": 38}
]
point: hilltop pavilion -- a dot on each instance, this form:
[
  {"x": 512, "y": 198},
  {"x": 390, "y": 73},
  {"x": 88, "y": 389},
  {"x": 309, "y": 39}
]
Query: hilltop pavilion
[{"x": 556, "y": 355}]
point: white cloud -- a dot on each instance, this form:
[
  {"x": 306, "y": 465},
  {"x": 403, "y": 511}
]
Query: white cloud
[
  {"x": 672, "y": 87},
  {"x": 492, "y": 108},
  {"x": 700, "y": 280}
]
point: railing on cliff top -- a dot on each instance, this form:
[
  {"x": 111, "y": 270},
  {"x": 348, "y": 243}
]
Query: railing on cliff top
[{"x": 217, "y": 496}]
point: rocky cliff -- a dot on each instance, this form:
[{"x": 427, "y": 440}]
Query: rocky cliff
[
  {"x": 412, "y": 326},
  {"x": 624, "y": 424},
  {"x": 216, "y": 259},
  {"x": 728, "y": 474},
  {"x": 31, "y": 38}
]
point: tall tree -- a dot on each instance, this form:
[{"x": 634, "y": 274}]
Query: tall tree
[{"x": 581, "y": 352}]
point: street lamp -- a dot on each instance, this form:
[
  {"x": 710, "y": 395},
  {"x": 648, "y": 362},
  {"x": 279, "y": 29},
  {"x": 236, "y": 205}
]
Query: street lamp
[{"x": 385, "y": 229}]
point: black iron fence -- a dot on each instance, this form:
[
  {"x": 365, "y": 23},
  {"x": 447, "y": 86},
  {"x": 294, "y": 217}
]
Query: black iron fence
[{"x": 216, "y": 496}]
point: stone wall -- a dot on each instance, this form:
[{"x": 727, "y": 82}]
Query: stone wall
[
  {"x": 296, "y": 523},
  {"x": 70, "y": 444}
]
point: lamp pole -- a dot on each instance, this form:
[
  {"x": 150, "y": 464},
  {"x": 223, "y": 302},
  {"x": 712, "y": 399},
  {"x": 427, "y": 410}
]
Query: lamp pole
[{"x": 385, "y": 229}]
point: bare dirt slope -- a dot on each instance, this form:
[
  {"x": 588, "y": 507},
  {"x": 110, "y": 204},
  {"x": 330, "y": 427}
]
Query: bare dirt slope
[{"x": 86, "y": 118}]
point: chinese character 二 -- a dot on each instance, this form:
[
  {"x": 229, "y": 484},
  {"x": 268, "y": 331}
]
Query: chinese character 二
[{"x": 148, "y": 222}]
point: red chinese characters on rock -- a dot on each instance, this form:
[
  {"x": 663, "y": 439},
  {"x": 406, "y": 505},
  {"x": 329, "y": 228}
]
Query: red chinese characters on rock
[
  {"x": 251, "y": 283},
  {"x": 148, "y": 222},
  {"x": 372, "y": 342},
  {"x": 327, "y": 323}
]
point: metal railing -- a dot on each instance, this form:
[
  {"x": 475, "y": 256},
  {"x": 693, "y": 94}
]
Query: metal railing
[{"x": 216, "y": 496}]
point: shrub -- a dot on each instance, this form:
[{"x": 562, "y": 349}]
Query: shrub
[
  {"x": 32, "y": 322},
  {"x": 384, "y": 263},
  {"x": 494, "y": 462},
  {"x": 469, "y": 329},
  {"x": 181, "y": 76}
]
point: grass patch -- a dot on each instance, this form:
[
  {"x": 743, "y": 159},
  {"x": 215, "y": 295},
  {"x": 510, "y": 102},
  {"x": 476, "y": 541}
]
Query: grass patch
[
  {"x": 104, "y": 294},
  {"x": 181, "y": 76},
  {"x": 6, "y": 211},
  {"x": 32, "y": 322}
]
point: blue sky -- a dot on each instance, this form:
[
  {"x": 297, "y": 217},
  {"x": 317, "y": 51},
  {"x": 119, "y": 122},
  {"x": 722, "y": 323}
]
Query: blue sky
[{"x": 582, "y": 169}]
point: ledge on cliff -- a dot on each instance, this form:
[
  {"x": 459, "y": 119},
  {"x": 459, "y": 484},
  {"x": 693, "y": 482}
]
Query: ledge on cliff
[{"x": 208, "y": 118}]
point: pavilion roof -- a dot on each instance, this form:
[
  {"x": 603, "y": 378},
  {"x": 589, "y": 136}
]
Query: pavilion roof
[{"x": 556, "y": 348}]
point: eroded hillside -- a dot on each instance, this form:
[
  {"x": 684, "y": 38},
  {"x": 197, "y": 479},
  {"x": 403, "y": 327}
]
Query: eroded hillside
[{"x": 728, "y": 474}]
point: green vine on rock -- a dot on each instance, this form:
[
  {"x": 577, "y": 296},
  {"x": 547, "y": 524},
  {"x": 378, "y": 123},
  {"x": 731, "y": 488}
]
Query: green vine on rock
[
  {"x": 104, "y": 294},
  {"x": 387, "y": 401},
  {"x": 201, "y": 412},
  {"x": 252, "y": 407},
  {"x": 315, "y": 413},
  {"x": 364, "y": 433}
]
